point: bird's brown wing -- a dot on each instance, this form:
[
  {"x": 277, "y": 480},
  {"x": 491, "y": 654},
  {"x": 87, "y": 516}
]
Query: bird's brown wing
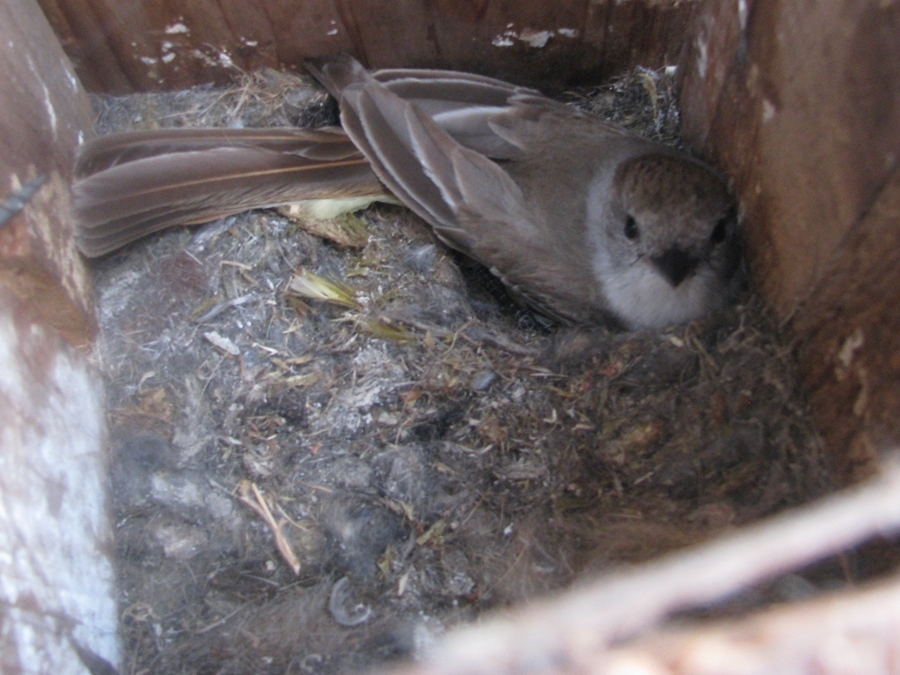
[
  {"x": 133, "y": 184},
  {"x": 104, "y": 152},
  {"x": 423, "y": 164},
  {"x": 472, "y": 202},
  {"x": 498, "y": 119},
  {"x": 461, "y": 104}
]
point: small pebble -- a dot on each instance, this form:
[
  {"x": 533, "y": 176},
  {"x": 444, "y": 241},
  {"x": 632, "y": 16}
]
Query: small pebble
[{"x": 483, "y": 380}]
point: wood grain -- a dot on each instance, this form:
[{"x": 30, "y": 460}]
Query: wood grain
[
  {"x": 800, "y": 104},
  {"x": 43, "y": 114},
  {"x": 120, "y": 46}
]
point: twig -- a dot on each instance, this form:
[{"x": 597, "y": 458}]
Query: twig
[{"x": 259, "y": 504}]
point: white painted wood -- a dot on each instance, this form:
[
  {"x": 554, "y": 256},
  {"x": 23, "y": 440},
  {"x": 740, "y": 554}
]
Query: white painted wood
[{"x": 56, "y": 574}]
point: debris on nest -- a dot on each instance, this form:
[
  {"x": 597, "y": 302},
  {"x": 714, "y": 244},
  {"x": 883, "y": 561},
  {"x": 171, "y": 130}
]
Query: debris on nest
[{"x": 328, "y": 449}]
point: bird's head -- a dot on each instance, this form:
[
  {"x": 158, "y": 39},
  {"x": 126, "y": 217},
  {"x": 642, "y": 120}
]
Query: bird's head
[{"x": 665, "y": 240}]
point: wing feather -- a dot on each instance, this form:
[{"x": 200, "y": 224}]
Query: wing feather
[
  {"x": 424, "y": 165},
  {"x": 104, "y": 152},
  {"x": 140, "y": 189}
]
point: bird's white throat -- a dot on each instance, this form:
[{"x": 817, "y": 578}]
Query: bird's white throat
[{"x": 643, "y": 298}]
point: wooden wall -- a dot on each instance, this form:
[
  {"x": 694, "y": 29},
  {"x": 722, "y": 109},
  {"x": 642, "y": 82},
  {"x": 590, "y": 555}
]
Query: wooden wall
[
  {"x": 43, "y": 113},
  {"x": 800, "y": 103},
  {"x": 57, "y": 582},
  {"x": 124, "y": 45}
]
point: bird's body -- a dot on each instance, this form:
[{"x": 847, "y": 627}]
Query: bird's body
[{"x": 584, "y": 220}]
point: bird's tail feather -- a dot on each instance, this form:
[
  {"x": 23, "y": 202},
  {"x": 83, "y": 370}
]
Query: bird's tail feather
[{"x": 130, "y": 185}]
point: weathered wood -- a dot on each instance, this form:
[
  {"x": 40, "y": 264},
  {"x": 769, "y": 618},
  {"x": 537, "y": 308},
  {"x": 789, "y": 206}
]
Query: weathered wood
[
  {"x": 850, "y": 338},
  {"x": 716, "y": 32},
  {"x": 800, "y": 103},
  {"x": 808, "y": 123},
  {"x": 56, "y": 577},
  {"x": 44, "y": 113},
  {"x": 120, "y": 46}
]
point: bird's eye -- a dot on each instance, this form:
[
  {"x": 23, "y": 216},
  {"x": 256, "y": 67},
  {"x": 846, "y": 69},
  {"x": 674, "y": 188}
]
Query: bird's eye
[
  {"x": 631, "y": 229},
  {"x": 719, "y": 231}
]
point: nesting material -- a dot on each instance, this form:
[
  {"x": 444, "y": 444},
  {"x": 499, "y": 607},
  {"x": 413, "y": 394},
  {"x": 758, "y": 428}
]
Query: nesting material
[{"x": 328, "y": 450}]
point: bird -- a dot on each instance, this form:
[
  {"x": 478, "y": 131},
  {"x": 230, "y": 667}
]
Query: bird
[{"x": 585, "y": 221}]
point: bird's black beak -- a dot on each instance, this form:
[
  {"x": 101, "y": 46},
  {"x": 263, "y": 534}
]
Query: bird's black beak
[{"x": 676, "y": 265}]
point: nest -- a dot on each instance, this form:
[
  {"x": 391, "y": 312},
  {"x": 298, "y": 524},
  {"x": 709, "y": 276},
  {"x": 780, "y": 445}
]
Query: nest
[{"x": 332, "y": 445}]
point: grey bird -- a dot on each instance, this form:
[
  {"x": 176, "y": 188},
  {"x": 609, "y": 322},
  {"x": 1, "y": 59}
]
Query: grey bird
[{"x": 585, "y": 221}]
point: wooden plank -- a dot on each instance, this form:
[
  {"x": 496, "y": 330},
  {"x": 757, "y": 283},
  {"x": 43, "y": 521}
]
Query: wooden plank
[
  {"x": 58, "y": 589},
  {"x": 635, "y": 620},
  {"x": 80, "y": 30},
  {"x": 832, "y": 634},
  {"x": 808, "y": 122},
  {"x": 298, "y": 33},
  {"x": 57, "y": 582},
  {"x": 800, "y": 103},
  {"x": 530, "y": 42},
  {"x": 390, "y": 33},
  {"x": 850, "y": 330},
  {"x": 716, "y": 32},
  {"x": 637, "y": 33},
  {"x": 120, "y": 46},
  {"x": 44, "y": 114}
]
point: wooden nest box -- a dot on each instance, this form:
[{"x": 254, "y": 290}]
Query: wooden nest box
[{"x": 798, "y": 103}]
